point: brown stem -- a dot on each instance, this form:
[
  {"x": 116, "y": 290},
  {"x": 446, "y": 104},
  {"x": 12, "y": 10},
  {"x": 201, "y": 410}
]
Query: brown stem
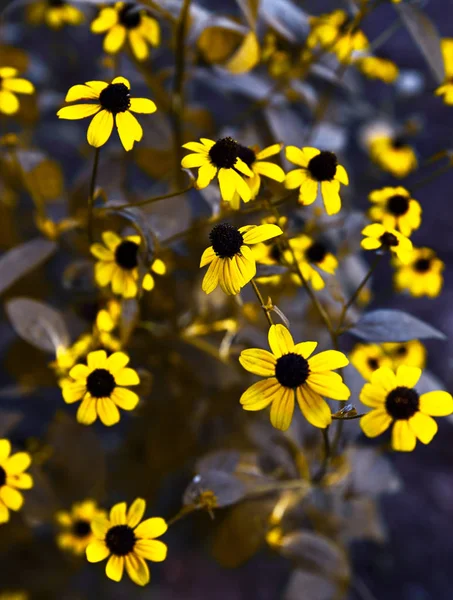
[{"x": 262, "y": 303}]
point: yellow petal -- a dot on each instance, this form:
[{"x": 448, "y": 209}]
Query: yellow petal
[
  {"x": 308, "y": 192},
  {"x": 191, "y": 161},
  {"x": 258, "y": 362},
  {"x": 81, "y": 92},
  {"x": 125, "y": 399},
  {"x": 100, "y": 128},
  {"x": 97, "y": 359},
  {"x": 436, "y": 404},
  {"x": 310, "y": 152},
  {"x": 372, "y": 395},
  {"x": 9, "y": 104},
  {"x": 143, "y": 106},
  {"x": 374, "y": 230},
  {"x": 341, "y": 175},
  {"x": 246, "y": 56},
  {"x": 207, "y": 257},
  {"x": 424, "y": 427},
  {"x": 282, "y": 409},
  {"x": 114, "y": 568},
  {"x": 97, "y": 551},
  {"x": 74, "y": 391},
  {"x": 127, "y": 377},
  {"x": 116, "y": 362},
  {"x": 280, "y": 340},
  {"x": 78, "y": 111},
  {"x": 296, "y": 156},
  {"x": 137, "y": 569},
  {"x": 305, "y": 349},
  {"x": 159, "y": 267},
  {"x": 330, "y": 195},
  {"x": 17, "y": 463},
  {"x": 136, "y": 512},
  {"x": 129, "y": 129},
  {"x": 5, "y": 448},
  {"x": 122, "y": 80},
  {"x": 151, "y": 528},
  {"x": 206, "y": 174},
  {"x": 86, "y": 414},
  {"x": 328, "y": 360},
  {"x": 211, "y": 279},
  {"x": 114, "y": 39},
  {"x": 329, "y": 384},
  {"x": 226, "y": 184},
  {"x": 403, "y": 438},
  {"x": 118, "y": 514},
  {"x": 79, "y": 372},
  {"x": 241, "y": 186},
  {"x": 294, "y": 179},
  {"x": 22, "y": 481},
  {"x": 19, "y": 86},
  {"x": 108, "y": 411},
  {"x": 138, "y": 45},
  {"x": 6, "y": 72},
  {"x": 100, "y": 526},
  {"x": 269, "y": 151},
  {"x": 375, "y": 422},
  {"x": 270, "y": 170},
  {"x": 384, "y": 378},
  {"x": 261, "y": 233},
  {"x": 240, "y": 166},
  {"x": 408, "y": 376},
  {"x": 370, "y": 244},
  {"x": 154, "y": 550},
  {"x": 314, "y": 408},
  {"x": 107, "y": 18},
  {"x": 11, "y": 497},
  {"x": 260, "y": 394},
  {"x": 4, "y": 513}
]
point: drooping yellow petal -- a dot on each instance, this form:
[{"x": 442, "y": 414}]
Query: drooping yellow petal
[
  {"x": 81, "y": 92},
  {"x": 5, "y": 449},
  {"x": 329, "y": 384},
  {"x": 260, "y": 394},
  {"x": 294, "y": 179},
  {"x": 97, "y": 551},
  {"x": 151, "y": 528},
  {"x": 403, "y": 438},
  {"x": 9, "y": 104},
  {"x": 270, "y": 170},
  {"x": 107, "y": 18},
  {"x": 206, "y": 174},
  {"x": 78, "y": 111},
  {"x": 129, "y": 129},
  {"x": 408, "y": 376},
  {"x": 207, "y": 257},
  {"x": 308, "y": 192},
  {"x": 136, "y": 512},
  {"x": 100, "y": 128},
  {"x": 192, "y": 161},
  {"x": 314, "y": 408},
  {"x": 240, "y": 166},
  {"x": 258, "y": 362},
  {"x": 211, "y": 279},
  {"x": 424, "y": 427},
  {"x": 86, "y": 413},
  {"x": 327, "y": 361},
  {"x": 154, "y": 550},
  {"x": 137, "y": 569},
  {"x": 108, "y": 411},
  {"x": 282, "y": 409},
  {"x": 118, "y": 514},
  {"x": 12, "y": 498},
  {"x": 74, "y": 391},
  {"x": 241, "y": 186},
  {"x": 341, "y": 175},
  {"x": 375, "y": 422},
  {"x": 115, "y": 567},
  {"x": 436, "y": 404},
  {"x": 114, "y": 40},
  {"x": 4, "y": 513},
  {"x": 125, "y": 399},
  {"x": 280, "y": 340},
  {"x": 226, "y": 184},
  {"x": 330, "y": 191},
  {"x": 138, "y": 45}
]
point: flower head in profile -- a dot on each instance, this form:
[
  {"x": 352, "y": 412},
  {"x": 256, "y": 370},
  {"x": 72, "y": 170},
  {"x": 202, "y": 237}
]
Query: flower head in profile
[
  {"x": 395, "y": 400},
  {"x": 395, "y": 209},
  {"x": 378, "y": 236},
  {"x": 422, "y": 276},
  {"x": 54, "y": 13},
  {"x": 12, "y": 479},
  {"x": 127, "y": 542},
  {"x": 231, "y": 261},
  {"x": 393, "y": 154},
  {"x": 367, "y": 358},
  {"x": 311, "y": 253},
  {"x": 446, "y": 89},
  {"x": 10, "y": 85},
  {"x": 75, "y": 526},
  {"x": 411, "y": 354},
  {"x": 375, "y": 67},
  {"x": 100, "y": 385},
  {"x": 292, "y": 374},
  {"x": 118, "y": 264},
  {"x": 221, "y": 159},
  {"x": 126, "y": 22},
  {"x": 111, "y": 104},
  {"x": 334, "y": 33},
  {"x": 318, "y": 169}
]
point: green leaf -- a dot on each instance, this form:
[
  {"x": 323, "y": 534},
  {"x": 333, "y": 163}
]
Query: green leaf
[{"x": 393, "y": 326}]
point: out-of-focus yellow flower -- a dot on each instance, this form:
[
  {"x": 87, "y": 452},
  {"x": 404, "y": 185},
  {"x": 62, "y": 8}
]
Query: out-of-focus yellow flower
[
  {"x": 411, "y": 354},
  {"x": 367, "y": 358},
  {"x": 446, "y": 89},
  {"x": 311, "y": 253},
  {"x": 395, "y": 400},
  {"x": 12, "y": 479},
  {"x": 422, "y": 276},
  {"x": 276, "y": 54},
  {"x": 10, "y": 85},
  {"x": 126, "y": 21},
  {"x": 128, "y": 542},
  {"x": 378, "y": 236},
  {"x": 334, "y": 33},
  {"x": 395, "y": 209},
  {"x": 233, "y": 50},
  {"x": 393, "y": 154},
  {"x": 76, "y": 534},
  {"x": 374, "y": 67},
  {"x": 54, "y": 13}
]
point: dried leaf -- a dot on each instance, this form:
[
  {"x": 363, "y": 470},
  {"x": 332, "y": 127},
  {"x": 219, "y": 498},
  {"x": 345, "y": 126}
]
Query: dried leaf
[
  {"x": 393, "y": 326},
  {"x": 22, "y": 259}
]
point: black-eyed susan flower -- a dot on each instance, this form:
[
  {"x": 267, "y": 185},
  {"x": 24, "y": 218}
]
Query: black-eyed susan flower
[
  {"x": 10, "y": 85},
  {"x": 111, "y": 105},
  {"x": 446, "y": 89},
  {"x": 394, "y": 399},
  {"x": 311, "y": 253},
  {"x": 291, "y": 375},
  {"x": 54, "y": 13},
  {"x": 377, "y": 236},
  {"x": 375, "y": 67},
  {"x": 422, "y": 276},
  {"x": 118, "y": 264},
  {"x": 317, "y": 169},
  {"x": 231, "y": 262},
  {"x": 367, "y": 358},
  {"x": 75, "y": 526},
  {"x": 395, "y": 209},
  {"x": 393, "y": 154},
  {"x": 127, "y": 22},
  {"x": 219, "y": 159},
  {"x": 99, "y": 384},
  {"x": 12, "y": 479},
  {"x": 127, "y": 542},
  {"x": 411, "y": 354}
]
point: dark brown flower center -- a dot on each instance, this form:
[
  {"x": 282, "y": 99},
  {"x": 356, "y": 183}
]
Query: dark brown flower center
[
  {"x": 2, "y": 476},
  {"x": 402, "y": 403},
  {"x": 56, "y": 3},
  {"x": 401, "y": 350},
  {"x": 81, "y": 528},
  {"x": 316, "y": 253},
  {"x": 115, "y": 98},
  {"x": 247, "y": 155},
  {"x": 389, "y": 239},
  {"x": 399, "y": 142},
  {"x": 398, "y": 205},
  {"x": 323, "y": 166},
  {"x": 224, "y": 153},
  {"x": 226, "y": 240},
  {"x": 120, "y": 540},
  {"x": 130, "y": 16},
  {"x": 422, "y": 265},
  {"x": 373, "y": 363},
  {"x": 292, "y": 370},
  {"x": 275, "y": 253},
  {"x": 100, "y": 383},
  {"x": 126, "y": 255}
]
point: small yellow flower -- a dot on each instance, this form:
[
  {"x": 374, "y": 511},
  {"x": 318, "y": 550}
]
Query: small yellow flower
[
  {"x": 99, "y": 385},
  {"x": 422, "y": 276},
  {"x": 54, "y": 13},
  {"x": 292, "y": 375},
  {"x": 367, "y": 358},
  {"x": 333, "y": 33},
  {"x": 374, "y": 67},
  {"x": 76, "y": 534},
  {"x": 394, "y": 399},
  {"x": 10, "y": 85},
  {"x": 378, "y": 236},
  {"x": 128, "y": 542},
  {"x": 123, "y": 22},
  {"x": 411, "y": 354},
  {"x": 118, "y": 264},
  {"x": 276, "y": 54},
  {"x": 311, "y": 253},
  {"x": 446, "y": 89},
  {"x": 12, "y": 479},
  {"x": 393, "y": 154},
  {"x": 318, "y": 169},
  {"x": 395, "y": 209},
  {"x": 231, "y": 262},
  {"x": 111, "y": 105}
]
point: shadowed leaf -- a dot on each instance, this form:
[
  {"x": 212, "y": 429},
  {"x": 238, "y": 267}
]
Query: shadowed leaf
[
  {"x": 393, "y": 326},
  {"x": 22, "y": 259}
]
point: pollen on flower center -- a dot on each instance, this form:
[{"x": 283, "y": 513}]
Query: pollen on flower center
[
  {"x": 422, "y": 265},
  {"x": 316, "y": 253},
  {"x": 120, "y": 540},
  {"x": 224, "y": 153},
  {"x": 323, "y": 166},
  {"x": 100, "y": 383},
  {"x": 398, "y": 205},
  {"x": 115, "y": 98},
  {"x": 226, "y": 240},
  {"x": 2, "y": 476},
  {"x": 81, "y": 528},
  {"x": 292, "y": 370},
  {"x": 126, "y": 255},
  {"x": 129, "y": 16},
  {"x": 402, "y": 403},
  {"x": 389, "y": 239},
  {"x": 247, "y": 155}
]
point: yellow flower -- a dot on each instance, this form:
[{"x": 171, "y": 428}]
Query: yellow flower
[
  {"x": 12, "y": 479},
  {"x": 333, "y": 33},
  {"x": 112, "y": 105},
  {"x": 394, "y": 400},
  {"x": 10, "y": 85},
  {"x": 14, "y": 595},
  {"x": 411, "y": 354},
  {"x": 76, "y": 534},
  {"x": 219, "y": 158},
  {"x": 446, "y": 89},
  {"x": 231, "y": 262},
  {"x": 268, "y": 254},
  {"x": 378, "y": 236},
  {"x": 254, "y": 159},
  {"x": 67, "y": 357},
  {"x": 367, "y": 358},
  {"x": 54, "y": 13},
  {"x": 126, "y": 21},
  {"x": 100, "y": 383},
  {"x": 318, "y": 168},
  {"x": 276, "y": 53},
  {"x": 422, "y": 276},
  {"x": 128, "y": 542},
  {"x": 395, "y": 209},
  {"x": 118, "y": 264},
  {"x": 393, "y": 155},
  {"x": 374, "y": 67},
  {"x": 291, "y": 375},
  {"x": 310, "y": 252}
]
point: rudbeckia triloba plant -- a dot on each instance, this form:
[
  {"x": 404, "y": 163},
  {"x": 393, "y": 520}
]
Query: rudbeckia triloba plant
[
  {"x": 10, "y": 85},
  {"x": 75, "y": 526}
]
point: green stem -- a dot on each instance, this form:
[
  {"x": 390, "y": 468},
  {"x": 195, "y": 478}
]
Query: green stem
[
  {"x": 422, "y": 182},
  {"x": 149, "y": 200},
  {"x": 262, "y": 303},
  {"x": 92, "y": 191},
  {"x": 185, "y": 510},
  {"x": 326, "y": 458}
]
